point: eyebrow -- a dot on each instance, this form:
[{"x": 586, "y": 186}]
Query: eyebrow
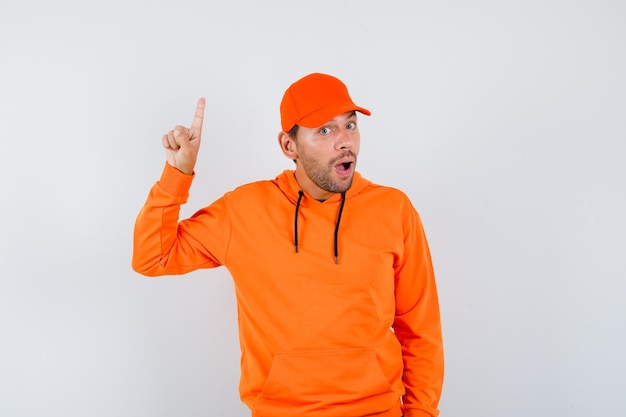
[{"x": 350, "y": 116}]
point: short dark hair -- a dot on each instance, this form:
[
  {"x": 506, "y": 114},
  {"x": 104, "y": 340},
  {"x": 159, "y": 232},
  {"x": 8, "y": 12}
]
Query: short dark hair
[{"x": 293, "y": 132}]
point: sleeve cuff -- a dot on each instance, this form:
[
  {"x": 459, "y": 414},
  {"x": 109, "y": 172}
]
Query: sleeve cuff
[
  {"x": 416, "y": 412},
  {"x": 175, "y": 182}
]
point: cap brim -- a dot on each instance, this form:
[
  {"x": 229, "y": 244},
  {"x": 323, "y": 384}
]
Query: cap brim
[{"x": 320, "y": 117}]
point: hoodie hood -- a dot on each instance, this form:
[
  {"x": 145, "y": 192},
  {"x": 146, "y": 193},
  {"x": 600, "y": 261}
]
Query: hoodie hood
[{"x": 288, "y": 184}]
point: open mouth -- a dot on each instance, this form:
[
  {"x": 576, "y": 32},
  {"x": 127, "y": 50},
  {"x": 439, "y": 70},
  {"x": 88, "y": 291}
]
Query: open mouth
[{"x": 344, "y": 168}]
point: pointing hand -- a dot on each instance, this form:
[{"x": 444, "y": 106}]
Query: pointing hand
[{"x": 182, "y": 144}]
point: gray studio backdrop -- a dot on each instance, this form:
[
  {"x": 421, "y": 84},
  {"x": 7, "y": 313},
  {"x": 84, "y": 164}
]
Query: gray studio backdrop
[{"x": 504, "y": 121}]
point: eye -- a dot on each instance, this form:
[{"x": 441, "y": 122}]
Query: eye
[
  {"x": 351, "y": 126},
  {"x": 324, "y": 131}
]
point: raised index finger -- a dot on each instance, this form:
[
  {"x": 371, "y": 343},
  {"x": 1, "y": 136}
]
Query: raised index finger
[{"x": 198, "y": 118}]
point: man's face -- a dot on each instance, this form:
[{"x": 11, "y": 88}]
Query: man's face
[{"x": 326, "y": 156}]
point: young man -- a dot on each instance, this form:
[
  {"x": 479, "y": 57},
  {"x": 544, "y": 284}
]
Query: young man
[{"x": 338, "y": 309}]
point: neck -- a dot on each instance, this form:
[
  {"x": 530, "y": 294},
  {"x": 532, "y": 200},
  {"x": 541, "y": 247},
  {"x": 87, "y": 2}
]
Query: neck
[{"x": 311, "y": 188}]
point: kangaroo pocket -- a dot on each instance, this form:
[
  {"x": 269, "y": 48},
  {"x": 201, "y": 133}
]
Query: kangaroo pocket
[{"x": 317, "y": 383}]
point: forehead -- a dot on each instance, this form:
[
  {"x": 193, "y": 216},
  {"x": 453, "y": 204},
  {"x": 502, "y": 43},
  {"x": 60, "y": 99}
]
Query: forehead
[{"x": 343, "y": 117}]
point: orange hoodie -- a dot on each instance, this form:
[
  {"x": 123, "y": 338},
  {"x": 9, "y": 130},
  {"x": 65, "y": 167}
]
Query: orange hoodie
[{"x": 346, "y": 325}]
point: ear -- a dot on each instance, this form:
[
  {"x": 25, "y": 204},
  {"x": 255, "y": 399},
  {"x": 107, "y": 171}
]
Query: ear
[{"x": 287, "y": 145}]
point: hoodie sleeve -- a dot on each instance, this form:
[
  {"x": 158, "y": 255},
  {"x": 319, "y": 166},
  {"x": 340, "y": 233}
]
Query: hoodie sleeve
[
  {"x": 417, "y": 323},
  {"x": 164, "y": 246}
]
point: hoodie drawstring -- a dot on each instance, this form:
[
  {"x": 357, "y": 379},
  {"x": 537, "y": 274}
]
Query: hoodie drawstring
[
  {"x": 336, "y": 235},
  {"x": 295, "y": 223},
  {"x": 343, "y": 201}
]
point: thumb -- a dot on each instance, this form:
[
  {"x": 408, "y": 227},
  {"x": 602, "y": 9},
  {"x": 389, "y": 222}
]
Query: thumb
[
  {"x": 185, "y": 158},
  {"x": 182, "y": 138}
]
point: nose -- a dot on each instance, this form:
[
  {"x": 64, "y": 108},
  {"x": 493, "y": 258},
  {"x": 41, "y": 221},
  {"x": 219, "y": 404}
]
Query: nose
[{"x": 344, "y": 140}]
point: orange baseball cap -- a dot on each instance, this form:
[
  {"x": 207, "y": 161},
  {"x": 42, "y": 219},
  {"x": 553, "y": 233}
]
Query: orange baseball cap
[{"x": 315, "y": 99}]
